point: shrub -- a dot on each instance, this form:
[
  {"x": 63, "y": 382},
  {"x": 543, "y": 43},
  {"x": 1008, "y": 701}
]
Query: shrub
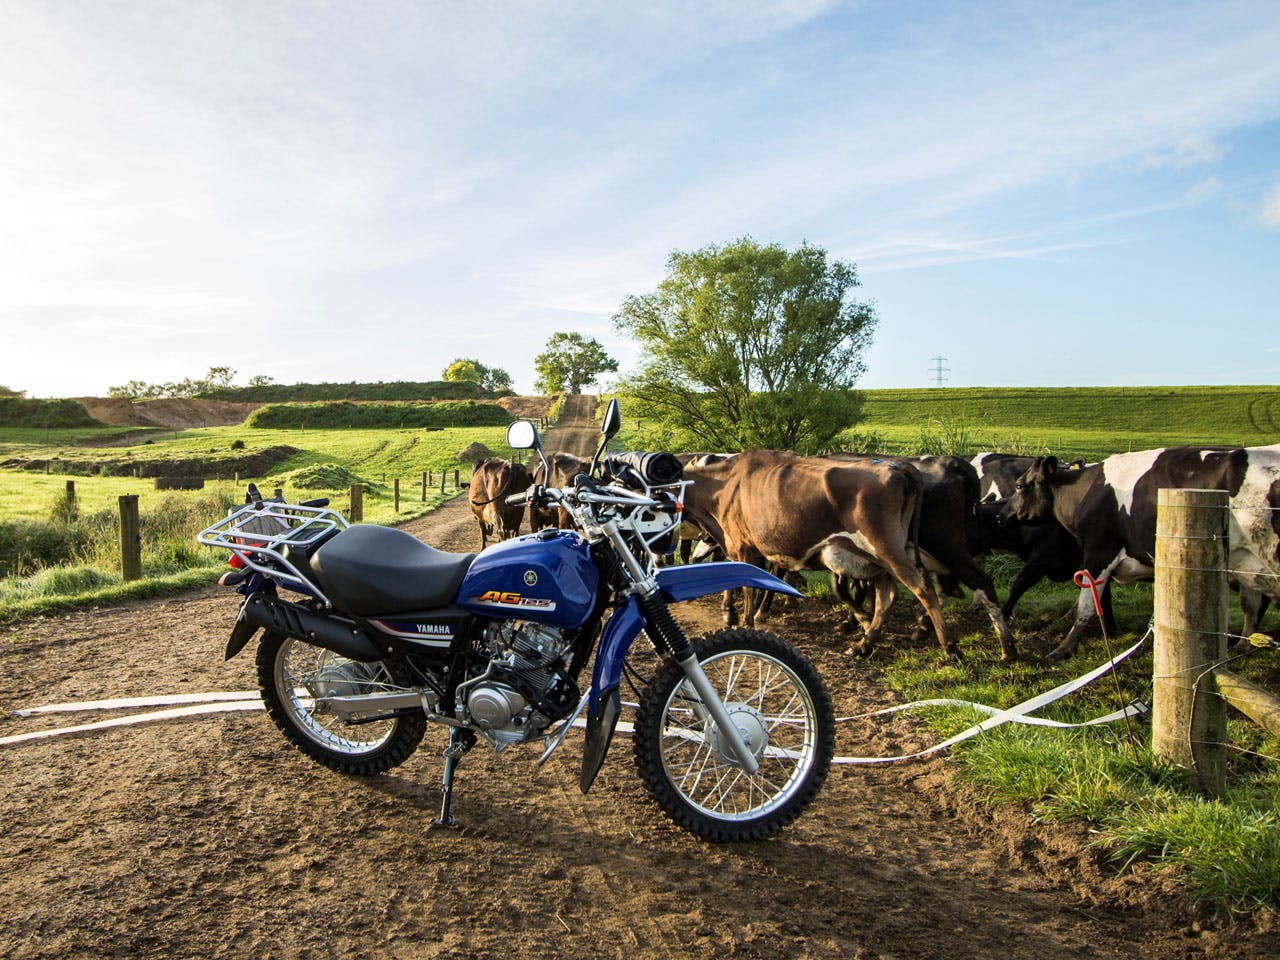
[
  {"x": 396, "y": 391},
  {"x": 30, "y": 545},
  {"x": 17, "y": 412},
  {"x": 330, "y": 416}
]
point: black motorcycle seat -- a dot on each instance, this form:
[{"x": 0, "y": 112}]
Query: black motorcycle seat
[{"x": 368, "y": 571}]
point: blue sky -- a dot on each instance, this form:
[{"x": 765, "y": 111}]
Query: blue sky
[{"x": 1043, "y": 194}]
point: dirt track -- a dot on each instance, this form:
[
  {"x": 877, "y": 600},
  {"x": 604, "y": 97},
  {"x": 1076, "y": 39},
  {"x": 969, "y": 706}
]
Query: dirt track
[{"x": 211, "y": 837}]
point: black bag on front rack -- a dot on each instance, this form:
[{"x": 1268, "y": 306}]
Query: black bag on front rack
[{"x": 638, "y": 469}]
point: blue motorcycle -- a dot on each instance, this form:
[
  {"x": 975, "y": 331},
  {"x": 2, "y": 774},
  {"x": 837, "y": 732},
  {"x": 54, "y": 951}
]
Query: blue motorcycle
[{"x": 733, "y": 733}]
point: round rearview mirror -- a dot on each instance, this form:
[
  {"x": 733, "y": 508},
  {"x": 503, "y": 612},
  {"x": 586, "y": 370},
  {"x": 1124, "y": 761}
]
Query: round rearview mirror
[{"x": 522, "y": 435}]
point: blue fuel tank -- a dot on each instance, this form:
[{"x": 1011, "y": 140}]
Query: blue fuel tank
[{"x": 547, "y": 577}]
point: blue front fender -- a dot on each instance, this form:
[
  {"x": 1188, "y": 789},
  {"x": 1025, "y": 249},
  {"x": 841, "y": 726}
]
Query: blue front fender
[
  {"x": 701, "y": 579},
  {"x": 677, "y": 584}
]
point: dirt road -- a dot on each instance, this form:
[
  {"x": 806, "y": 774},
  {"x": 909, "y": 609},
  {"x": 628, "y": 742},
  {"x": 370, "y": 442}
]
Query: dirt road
[{"x": 211, "y": 837}]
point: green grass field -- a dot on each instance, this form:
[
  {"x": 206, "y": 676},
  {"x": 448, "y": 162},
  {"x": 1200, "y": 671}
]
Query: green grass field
[{"x": 1088, "y": 422}]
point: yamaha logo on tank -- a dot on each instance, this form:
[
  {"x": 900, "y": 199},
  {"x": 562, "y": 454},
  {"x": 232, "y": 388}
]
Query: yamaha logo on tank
[{"x": 530, "y": 578}]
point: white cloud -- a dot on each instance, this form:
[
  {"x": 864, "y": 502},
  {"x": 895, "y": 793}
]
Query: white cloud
[
  {"x": 1188, "y": 152},
  {"x": 1206, "y": 189},
  {"x": 1269, "y": 215}
]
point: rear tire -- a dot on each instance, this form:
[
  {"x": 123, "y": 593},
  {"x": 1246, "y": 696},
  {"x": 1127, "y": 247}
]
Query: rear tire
[
  {"x": 772, "y": 691},
  {"x": 291, "y": 671}
]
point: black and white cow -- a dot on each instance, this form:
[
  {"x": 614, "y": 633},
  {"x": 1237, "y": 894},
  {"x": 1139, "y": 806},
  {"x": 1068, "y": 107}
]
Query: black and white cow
[
  {"x": 1047, "y": 550},
  {"x": 1111, "y": 509}
]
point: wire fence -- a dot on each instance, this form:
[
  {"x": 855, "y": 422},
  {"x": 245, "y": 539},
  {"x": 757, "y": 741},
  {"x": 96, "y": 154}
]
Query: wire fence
[{"x": 1198, "y": 554}]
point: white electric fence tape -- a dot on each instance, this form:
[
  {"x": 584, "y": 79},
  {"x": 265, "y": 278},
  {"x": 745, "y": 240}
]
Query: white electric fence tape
[{"x": 206, "y": 703}]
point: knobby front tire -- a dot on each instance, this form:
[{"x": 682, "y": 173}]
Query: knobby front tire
[
  {"x": 289, "y": 670},
  {"x": 771, "y": 691}
]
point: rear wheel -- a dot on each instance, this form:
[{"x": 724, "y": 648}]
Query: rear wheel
[
  {"x": 293, "y": 674},
  {"x": 775, "y": 697}
]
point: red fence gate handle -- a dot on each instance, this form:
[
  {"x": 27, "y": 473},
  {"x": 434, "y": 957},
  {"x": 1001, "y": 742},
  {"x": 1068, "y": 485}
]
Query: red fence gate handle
[{"x": 1085, "y": 581}]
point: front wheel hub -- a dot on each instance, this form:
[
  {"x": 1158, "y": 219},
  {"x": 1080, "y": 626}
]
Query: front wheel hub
[{"x": 751, "y": 726}]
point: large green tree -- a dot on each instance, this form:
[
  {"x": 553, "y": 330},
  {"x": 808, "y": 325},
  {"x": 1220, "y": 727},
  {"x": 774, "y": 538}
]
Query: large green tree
[
  {"x": 748, "y": 345},
  {"x": 570, "y": 362}
]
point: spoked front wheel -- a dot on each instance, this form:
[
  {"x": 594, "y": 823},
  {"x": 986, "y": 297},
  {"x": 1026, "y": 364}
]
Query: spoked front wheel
[
  {"x": 781, "y": 707},
  {"x": 293, "y": 675}
]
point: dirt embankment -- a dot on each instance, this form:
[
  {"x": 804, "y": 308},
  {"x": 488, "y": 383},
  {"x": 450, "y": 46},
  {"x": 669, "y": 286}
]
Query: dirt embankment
[
  {"x": 528, "y": 408},
  {"x": 176, "y": 414}
]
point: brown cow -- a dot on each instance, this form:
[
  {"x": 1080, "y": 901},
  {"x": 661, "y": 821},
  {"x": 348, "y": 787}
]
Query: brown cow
[
  {"x": 855, "y": 519},
  {"x": 950, "y": 535},
  {"x": 492, "y": 481},
  {"x": 564, "y": 467}
]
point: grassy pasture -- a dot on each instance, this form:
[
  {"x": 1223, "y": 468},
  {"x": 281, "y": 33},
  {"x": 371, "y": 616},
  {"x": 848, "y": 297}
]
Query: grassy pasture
[
  {"x": 170, "y": 561},
  {"x": 1088, "y": 422}
]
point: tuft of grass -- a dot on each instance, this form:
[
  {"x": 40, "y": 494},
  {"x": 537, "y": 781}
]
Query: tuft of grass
[
  {"x": 1227, "y": 853},
  {"x": 67, "y": 588}
]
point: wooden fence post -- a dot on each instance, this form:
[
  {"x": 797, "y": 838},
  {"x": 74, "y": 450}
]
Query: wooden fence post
[
  {"x": 442, "y": 476},
  {"x": 424, "y": 486},
  {"x": 71, "y": 496},
  {"x": 455, "y": 481},
  {"x": 130, "y": 538},
  {"x": 279, "y": 493},
  {"x": 1188, "y": 720},
  {"x": 357, "y": 503},
  {"x": 397, "y": 495}
]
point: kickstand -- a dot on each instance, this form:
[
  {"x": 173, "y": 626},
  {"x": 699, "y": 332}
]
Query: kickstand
[{"x": 460, "y": 741}]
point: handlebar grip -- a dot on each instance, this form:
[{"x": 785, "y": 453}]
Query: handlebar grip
[
  {"x": 516, "y": 499},
  {"x": 317, "y": 502}
]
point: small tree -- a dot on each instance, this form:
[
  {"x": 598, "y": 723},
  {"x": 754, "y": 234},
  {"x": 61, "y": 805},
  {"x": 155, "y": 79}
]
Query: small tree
[
  {"x": 9, "y": 392},
  {"x": 462, "y": 371},
  {"x": 749, "y": 346},
  {"x": 571, "y": 362},
  {"x": 493, "y": 379}
]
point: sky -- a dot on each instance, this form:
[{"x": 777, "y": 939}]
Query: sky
[{"x": 1040, "y": 194}]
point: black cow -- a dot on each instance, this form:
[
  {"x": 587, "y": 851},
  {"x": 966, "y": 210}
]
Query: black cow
[
  {"x": 1046, "y": 549},
  {"x": 1111, "y": 509}
]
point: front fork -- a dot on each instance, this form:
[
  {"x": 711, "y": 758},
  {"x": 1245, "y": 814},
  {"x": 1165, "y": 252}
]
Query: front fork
[
  {"x": 669, "y": 638},
  {"x": 645, "y": 609}
]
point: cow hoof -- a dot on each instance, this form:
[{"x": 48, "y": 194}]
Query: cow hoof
[
  {"x": 1059, "y": 654},
  {"x": 919, "y": 633},
  {"x": 1009, "y": 657},
  {"x": 952, "y": 652},
  {"x": 860, "y": 650}
]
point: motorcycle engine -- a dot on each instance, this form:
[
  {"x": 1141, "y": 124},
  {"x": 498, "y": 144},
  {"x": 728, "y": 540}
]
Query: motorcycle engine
[{"x": 524, "y": 688}]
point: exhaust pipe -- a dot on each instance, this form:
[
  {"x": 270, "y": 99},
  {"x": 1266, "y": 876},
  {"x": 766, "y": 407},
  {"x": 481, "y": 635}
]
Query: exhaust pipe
[{"x": 332, "y": 633}]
